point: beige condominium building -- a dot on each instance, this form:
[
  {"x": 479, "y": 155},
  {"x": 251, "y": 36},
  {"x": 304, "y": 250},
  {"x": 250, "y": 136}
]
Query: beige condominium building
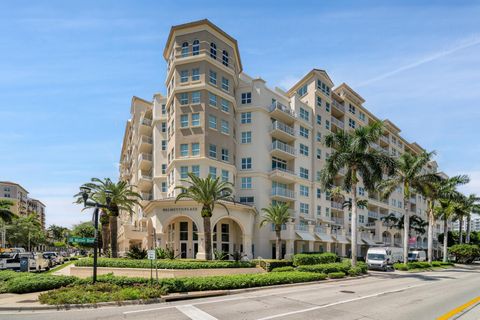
[
  {"x": 22, "y": 204},
  {"x": 215, "y": 119}
]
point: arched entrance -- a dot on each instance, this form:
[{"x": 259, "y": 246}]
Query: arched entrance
[
  {"x": 425, "y": 242},
  {"x": 386, "y": 238},
  {"x": 181, "y": 236},
  {"x": 397, "y": 239},
  {"x": 419, "y": 242},
  {"x": 227, "y": 236}
]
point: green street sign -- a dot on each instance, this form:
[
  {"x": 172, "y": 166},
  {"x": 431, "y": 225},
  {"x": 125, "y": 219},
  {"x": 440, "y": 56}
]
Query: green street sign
[{"x": 81, "y": 240}]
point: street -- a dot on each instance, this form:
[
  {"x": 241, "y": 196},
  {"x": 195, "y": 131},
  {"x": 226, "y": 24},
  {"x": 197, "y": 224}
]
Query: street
[{"x": 389, "y": 295}]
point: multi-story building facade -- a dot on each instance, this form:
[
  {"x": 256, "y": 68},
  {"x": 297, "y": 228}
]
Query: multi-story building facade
[
  {"x": 22, "y": 204},
  {"x": 217, "y": 120}
]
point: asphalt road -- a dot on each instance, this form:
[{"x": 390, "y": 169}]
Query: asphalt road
[{"x": 382, "y": 296}]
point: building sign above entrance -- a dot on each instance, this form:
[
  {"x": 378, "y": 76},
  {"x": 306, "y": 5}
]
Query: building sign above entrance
[{"x": 179, "y": 209}]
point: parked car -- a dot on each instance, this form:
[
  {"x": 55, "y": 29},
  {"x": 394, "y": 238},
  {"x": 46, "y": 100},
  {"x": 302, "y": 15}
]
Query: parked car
[
  {"x": 417, "y": 255},
  {"x": 54, "y": 257},
  {"x": 383, "y": 257},
  {"x": 11, "y": 261}
]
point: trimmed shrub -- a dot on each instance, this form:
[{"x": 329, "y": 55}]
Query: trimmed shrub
[
  {"x": 137, "y": 253},
  {"x": 283, "y": 269},
  {"x": 363, "y": 266},
  {"x": 269, "y": 264},
  {"x": 326, "y": 267},
  {"x": 303, "y": 259},
  {"x": 336, "y": 275},
  {"x": 355, "y": 271},
  {"x": 35, "y": 283},
  {"x": 465, "y": 253},
  {"x": 164, "y": 264},
  {"x": 400, "y": 266}
]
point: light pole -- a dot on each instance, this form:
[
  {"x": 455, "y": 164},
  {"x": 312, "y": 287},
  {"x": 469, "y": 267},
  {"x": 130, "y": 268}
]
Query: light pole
[{"x": 86, "y": 192}]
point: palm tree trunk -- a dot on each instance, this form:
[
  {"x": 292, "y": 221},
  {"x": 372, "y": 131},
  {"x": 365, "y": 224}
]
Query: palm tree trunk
[
  {"x": 278, "y": 243},
  {"x": 354, "y": 225},
  {"x": 406, "y": 228},
  {"x": 431, "y": 222},
  {"x": 105, "y": 238},
  {"x": 113, "y": 235},
  {"x": 469, "y": 228},
  {"x": 445, "y": 239},
  {"x": 460, "y": 230},
  {"x": 208, "y": 237}
]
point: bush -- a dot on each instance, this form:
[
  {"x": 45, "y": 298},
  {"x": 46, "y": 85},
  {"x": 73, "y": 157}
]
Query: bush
[
  {"x": 283, "y": 269},
  {"x": 400, "y": 266},
  {"x": 326, "y": 267},
  {"x": 302, "y": 259},
  {"x": 167, "y": 253},
  {"x": 164, "y": 264},
  {"x": 137, "y": 253},
  {"x": 270, "y": 264},
  {"x": 465, "y": 253},
  {"x": 355, "y": 271},
  {"x": 363, "y": 266},
  {"x": 336, "y": 275},
  {"x": 36, "y": 282}
]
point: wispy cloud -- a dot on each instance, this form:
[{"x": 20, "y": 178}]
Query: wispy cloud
[{"x": 465, "y": 43}]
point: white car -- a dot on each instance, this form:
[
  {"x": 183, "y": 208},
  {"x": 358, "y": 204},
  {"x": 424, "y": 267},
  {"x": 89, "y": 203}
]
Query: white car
[
  {"x": 11, "y": 261},
  {"x": 417, "y": 255},
  {"x": 383, "y": 257},
  {"x": 55, "y": 257}
]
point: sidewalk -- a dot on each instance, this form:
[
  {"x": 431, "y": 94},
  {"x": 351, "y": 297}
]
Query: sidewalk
[{"x": 19, "y": 301}]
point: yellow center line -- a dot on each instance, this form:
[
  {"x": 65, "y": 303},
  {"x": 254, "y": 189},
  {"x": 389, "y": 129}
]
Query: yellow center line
[{"x": 457, "y": 310}]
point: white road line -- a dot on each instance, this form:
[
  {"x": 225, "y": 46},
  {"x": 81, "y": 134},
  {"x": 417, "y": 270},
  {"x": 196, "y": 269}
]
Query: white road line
[
  {"x": 195, "y": 313},
  {"x": 339, "y": 302}
]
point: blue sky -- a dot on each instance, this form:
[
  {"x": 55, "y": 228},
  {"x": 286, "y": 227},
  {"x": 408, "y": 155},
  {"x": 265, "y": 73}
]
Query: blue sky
[{"x": 68, "y": 70}]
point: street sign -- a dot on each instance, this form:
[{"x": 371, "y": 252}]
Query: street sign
[
  {"x": 151, "y": 254},
  {"x": 81, "y": 240}
]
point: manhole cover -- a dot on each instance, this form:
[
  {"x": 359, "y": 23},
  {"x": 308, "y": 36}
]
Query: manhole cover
[{"x": 347, "y": 291}]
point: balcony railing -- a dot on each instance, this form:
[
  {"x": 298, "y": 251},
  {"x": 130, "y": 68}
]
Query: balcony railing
[
  {"x": 338, "y": 123},
  {"x": 373, "y": 214},
  {"x": 147, "y": 196},
  {"x": 338, "y": 220},
  {"x": 301, "y": 227},
  {"x": 278, "y": 106},
  {"x": 283, "y": 170},
  {"x": 338, "y": 106},
  {"x": 146, "y": 122},
  {"x": 336, "y": 205},
  {"x": 320, "y": 229},
  {"x": 384, "y": 139},
  {"x": 370, "y": 224},
  {"x": 145, "y": 156},
  {"x": 146, "y": 139},
  {"x": 282, "y": 192},
  {"x": 278, "y": 145},
  {"x": 277, "y": 125}
]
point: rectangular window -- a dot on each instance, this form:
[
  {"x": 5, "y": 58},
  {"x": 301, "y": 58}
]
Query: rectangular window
[
  {"x": 184, "y": 76},
  {"x": 361, "y": 191},
  {"x": 246, "y": 182},
  {"x": 303, "y": 173},
  {"x": 164, "y": 127},
  {"x": 195, "y": 74},
  {"x": 246, "y": 137},
  {"x": 195, "y": 149},
  {"x": 304, "y": 208},
  {"x": 225, "y": 127},
  {"x": 164, "y": 145},
  {"x": 361, "y": 115},
  {"x": 183, "y": 172},
  {"x": 183, "y": 98},
  {"x": 164, "y": 187},
  {"x": 319, "y": 154},
  {"x": 246, "y": 117},
  {"x": 248, "y": 200},
  {"x": 212, "y": 151},
  {"x": 319, "y": 137},
  {"x": 352, "y": 109},
  {"x": 246, "y": 98},
  {"x": 319, "y": 210},
  {"x": 225, "y": 84},
  {"x": 212, "y": 99},
  {"x": 195, "y": 119},
  {"x": 246, "y": 163},
  {"x": 351, "y": 123},
  {"x": 304, "y": 191},
  {"x": 327, "y": 124},
  {"x": 302, "y": 91},
  {"x": 361, "y": 218},
  {"x": 225, "y": 155},
  {"x": 213, "y": 172},
  {"x": 196, "y": 170},
  {"x": 319, "y": 119},
  {"x": 303, "y": 149},
  {"x": 196, "y": 97},
  {"x": 212, "y": 121},
  {"x": 225, "y": 106},
  {"x": 212, "y": 77},
  {"x": 323, "y": 87},
  {"x": 327, "y": 106},
  {"x": 319, "y": 102},
  {"x": 304, "y": 114},
  {"x": 164, "y": 168},
  {"x": 184, "y": 120},
  {"x": 319, "y": 193},
  {"x": 304, "y": 132},
  {"x": 225, "y": 175},
  {"x": 184, "y": 150}
]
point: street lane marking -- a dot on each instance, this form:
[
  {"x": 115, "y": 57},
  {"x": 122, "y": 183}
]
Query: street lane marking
[
  {"x": 195, "y": 313},
  {"x": 339, "y": 302},
  {"x": 453, "y": 312}
]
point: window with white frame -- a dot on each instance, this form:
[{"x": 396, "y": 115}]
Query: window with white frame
[
  {"x": 196, "y": 97},
  {"x": 184, "y": 49},
  {"x": 303, "y": 149},
  {"x": 212, "y": 121},
  {"x": 183, "y": 172},
  {"x": 212, "y": 77},
  {"x": 303, "y": 173},
  {"x": 319, "y": 193},
  {"x": 319, "y": 137},
  {"x": 323, "y": 87},
  {"x": 351, "y": 123},
  {"x": 184, "y": 150},
  {"x": 184, "y": 76},
  {"x": 319, "y": 210},
  {"x": 225, "y": 175},
  {"x": 246, "y": 163},
  {"x": 213, "y": 172},
  {"x": 164, "y": 187},
  {"x": 246, "y": 98},
  {"x": 183, "y": 98},
  {"x": 246, "y": 117},
  {"x": 195, "y": 74},
  {"x": 225, "y": 84},
  {"x": 352, "y": 109},
  {"x": 302, "y": 90},
  {"x": 327, "y": 106},
  {"x": 361, "y": 191},
  {"x": 319, "y": 119},
  {"x": 327, "y": 124},
  {"x": 212, "y": 151},
  {"x": 225, "y": 127},
  {"x": 225, "y": 155},
  {"x": 362, "y": 116},
  {"x": 246, "y": 183},
  {"x": 213, "y": 50},
  {"x": 304, "y": 191},
  {"x": 304, "y": 208},
  {"x": 195, "y": 149},
  {"x": 319, "y": 154},
  {"x": 184, "y": 120},
  {"x": 304, "y": 114},
  {"x": 212, "y": 100},
  {"x": 319, "y": 101},
  {"x": 225, "y": 106},
  {"x": 304, "y": 132},
  {"x": 225, "y": 58},
  {"x": 196, "y": 170},
  {"x": 164, "y": 145},
  {"x": 196, "y": 47},
  {"x": 164, "y": 168},
  {"x": 246, "y": 137},
  {"x": 195, "y": 119}
]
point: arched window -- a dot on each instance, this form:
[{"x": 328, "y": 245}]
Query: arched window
[
  {"x": 225, "y": 58},
  {"x": 185, "y": 49},
  {"x": 213, "y": 50},
  {"x": 196, "y": 47}
]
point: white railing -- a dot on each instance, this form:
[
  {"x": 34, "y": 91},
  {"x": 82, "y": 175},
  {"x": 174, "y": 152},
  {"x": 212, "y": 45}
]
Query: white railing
[
  {"x": 146, "y": 139},
  {"x": 278, "y": 106},
  {"x": 338, "y": 220},
  {"x": 320, "y": 229},
  {"x": 287, "y": 193},
  {"x": 301, "y": 227},
  {"x": 338, "y": 106},
  {"x": 373, "y": 214},
  {"x": 336, "y": 205},
  {"x": 277, "y": 125},
  {"x": 337, "y": 122},
  {"x": 147, "y": 196},
  {"x": 278, "y": 145},
  {"x": 145, "y": 156},
  {"x": 385, "y": 139},
  {"x": 282, "y": 170},
  {"x": 147, "y": 122}
]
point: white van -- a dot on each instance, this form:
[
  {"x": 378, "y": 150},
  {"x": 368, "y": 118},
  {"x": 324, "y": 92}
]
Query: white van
[
  {"x": 417, "y": 255},
  {"x": 383, "y": 257}
]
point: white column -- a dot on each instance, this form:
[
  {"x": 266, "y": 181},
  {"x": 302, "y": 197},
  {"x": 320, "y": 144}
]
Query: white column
[
  {"x": 247, "y": 246},
  {"x": 201, "y": 246}
]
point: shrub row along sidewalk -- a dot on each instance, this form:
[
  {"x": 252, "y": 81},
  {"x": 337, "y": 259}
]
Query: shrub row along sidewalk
[
  {"x": 421, "y": 265},
  {"x": 164, "y": 263}
]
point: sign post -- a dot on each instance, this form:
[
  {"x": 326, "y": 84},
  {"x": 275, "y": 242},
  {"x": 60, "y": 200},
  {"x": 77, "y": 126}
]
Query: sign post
[
  {"x": 151, "y": 255},
  {"x": 81, "y": 240}
]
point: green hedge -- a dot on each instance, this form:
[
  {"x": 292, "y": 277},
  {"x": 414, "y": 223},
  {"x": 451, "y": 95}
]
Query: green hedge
[
  {"x": 326, "y": 267},
  {"x": 336, "y": 275},
  {"x": 283, "y": 269},
  {"x": 164, "y": 264},
  {"x": 270, "y": 264},
  {"x": 420, "y": 265},
  {"x": 465, "y": 253},
  {"x": 302, "y": 259},
  {"x": 18, "y": 282},
  {"x": 355, "y": 271}
]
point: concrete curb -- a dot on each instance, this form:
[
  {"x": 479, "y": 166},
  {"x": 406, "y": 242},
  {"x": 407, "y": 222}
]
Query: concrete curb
[{"x": 173, "y": 297}]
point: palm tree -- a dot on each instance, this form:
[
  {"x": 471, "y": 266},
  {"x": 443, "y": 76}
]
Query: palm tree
[
  {"x": 472, "y": 205},
  {"x": 6, "y": 214},
  {"x": 104, "y": 221},
  {"x": 408, "y": 174},
  {"x": 208, "y": 192},
  {"x": 351, "y": 150},
  {"x": 442, "y": 188},
  {"x": 278, "y": 215},
  {"x": 123, "y": 199},
  {"x": 445, "y": 210}
]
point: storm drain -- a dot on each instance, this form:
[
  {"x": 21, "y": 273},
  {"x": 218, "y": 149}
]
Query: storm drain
[{"x": 347, "y": 291}]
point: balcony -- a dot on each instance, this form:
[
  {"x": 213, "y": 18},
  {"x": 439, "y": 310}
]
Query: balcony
[
  {"x": 145, "y": 126},
  {"x": 301, "y": 227},
  {"x": 144, "y": 180},
  {"x": 145, "y": 144},
  {"x": 282, "y": 175},
  {"x": 413, "y": 200},
  {"x": 147, "y": 196},
  {"x": 338, "y": 123},
  {"x": 338, "y": 221},
  {"x": 384, "y": 140},
  {"x": 282, "y": 131},
  {"x": 370, "y": 225},
  {"x": 282, "y": 150},
  {"x": 378, "y": 147},
  {"x": 373, "y": 214},
  {"x": 145, "y": 161},
  {"x": 282, "y": 194},
  {"x": 338, "y": 107},
  {"x": 336, "y": 205},
  {"x": 282, "y": 112}
]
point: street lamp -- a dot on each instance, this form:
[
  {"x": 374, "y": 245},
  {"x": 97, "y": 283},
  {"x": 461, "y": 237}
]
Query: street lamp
[{"x": 86, "y": 193}]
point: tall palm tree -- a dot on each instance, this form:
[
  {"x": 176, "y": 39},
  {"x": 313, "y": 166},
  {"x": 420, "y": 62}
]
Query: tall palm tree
[
  {"x": 472, "y": 205},
  {"x": 445, "y": 210},
  {"x": 351, "y": 150},
  {"x": 278, "y": 215},
  {"x": 123, "y": 199},
  {"x": 208, "y": 192},
  {"x": 104, "y": 222},
  {"x": 6, "y": 213},
  {"x": 442, "y": 188},
  {"x": 408, "y": 174}
]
